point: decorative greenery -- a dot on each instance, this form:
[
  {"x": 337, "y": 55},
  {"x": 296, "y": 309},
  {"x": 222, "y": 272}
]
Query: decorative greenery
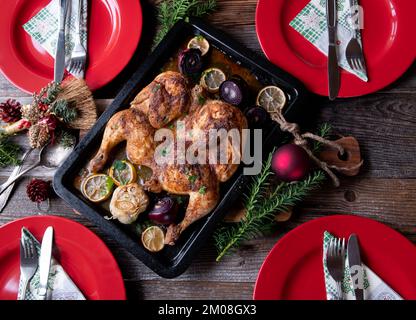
[
  {"x": 66, "y": 139},
  {"x": 324, "y": 131},
  {"x": 63, "y": 111},
  {"x": 9, "y": 152},
  {"x": 48, "y": 94},
  {"x": 171, "y": 11},
  {"x": 262, "y": 204}
]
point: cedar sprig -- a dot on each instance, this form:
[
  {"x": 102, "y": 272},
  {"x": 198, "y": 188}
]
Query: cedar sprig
[
  {"x": 171, "y": 11},
  {"x": 262, "y": 206},
  {"x": 9, "y": 152}
]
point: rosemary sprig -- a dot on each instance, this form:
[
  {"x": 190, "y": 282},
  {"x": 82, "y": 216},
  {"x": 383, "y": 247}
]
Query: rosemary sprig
[
  {"x": 262, "y": 206},
  {"x": 171, "y": 11}
]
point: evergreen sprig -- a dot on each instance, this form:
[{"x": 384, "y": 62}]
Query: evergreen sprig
[
  {"x": 262, "y": 205},
  {"x": 48, "y": 94},
  {"x": 9, "y": 152},
  {"x": 324, "y": 131},
  {"x": 66, "y": 139},
  {"x": 171, "y": 11},
  {"x": 64, "y": 111}
]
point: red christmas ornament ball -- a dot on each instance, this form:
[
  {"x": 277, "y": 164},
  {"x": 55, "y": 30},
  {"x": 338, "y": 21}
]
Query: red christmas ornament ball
[{"x": 291, "y": 163}]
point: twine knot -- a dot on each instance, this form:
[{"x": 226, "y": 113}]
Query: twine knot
[{"x": 301, "y": 140}]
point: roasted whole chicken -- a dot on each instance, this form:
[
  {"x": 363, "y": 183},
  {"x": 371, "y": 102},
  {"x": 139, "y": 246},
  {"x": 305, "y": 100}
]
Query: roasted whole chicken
[{"x": 165, "y": 101}]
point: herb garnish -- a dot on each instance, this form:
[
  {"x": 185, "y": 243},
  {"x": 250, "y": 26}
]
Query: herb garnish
[
  {"x": 192, "y": 178},
  {"x": 202, "y": 190}
]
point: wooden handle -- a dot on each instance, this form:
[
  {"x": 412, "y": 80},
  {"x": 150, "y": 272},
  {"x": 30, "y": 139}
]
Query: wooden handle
[{"x": 349, "y": 162}]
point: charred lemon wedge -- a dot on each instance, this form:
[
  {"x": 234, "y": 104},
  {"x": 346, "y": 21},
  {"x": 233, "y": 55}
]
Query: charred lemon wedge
[{"x": 97, "y": 187}]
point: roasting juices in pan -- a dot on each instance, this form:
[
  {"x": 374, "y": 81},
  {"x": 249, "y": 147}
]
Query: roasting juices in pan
[{"x": 159, "y": 167}]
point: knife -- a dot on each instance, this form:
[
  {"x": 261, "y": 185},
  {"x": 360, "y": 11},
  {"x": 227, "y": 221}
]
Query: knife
[
  {"x": 333, "y": 69},
  {"x": 6, "y": 194},
  {"x": 356, "y": 268},
  {"x": 60, "y": 47},
  {"x": 45, "y": 262}
]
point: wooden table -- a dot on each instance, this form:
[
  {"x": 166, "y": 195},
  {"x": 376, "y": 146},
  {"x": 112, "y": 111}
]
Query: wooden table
[{"x": 384, "y": 123}]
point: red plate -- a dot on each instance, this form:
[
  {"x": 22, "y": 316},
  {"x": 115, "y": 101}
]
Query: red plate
[
  {"x": 114, "y": 31},
  {"x": 83, "y": 255},
  {"x": 293, "y": 269},
  {"x": 387, "y": 35}
]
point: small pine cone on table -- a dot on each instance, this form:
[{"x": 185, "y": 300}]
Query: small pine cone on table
[
  {"x": 38, "y": 190},
  {"x": 10, "y": 111}
]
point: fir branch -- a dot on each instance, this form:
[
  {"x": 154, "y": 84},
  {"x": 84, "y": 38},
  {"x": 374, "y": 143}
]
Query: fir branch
[
  {"x": 260, "y": 215},
  {"x": 9, "y": 152},
  {"x": 48, "y": 94},
  {"x": 201, "y": 8},
  {"x": 66, "y": 139},
  {"x": 324, "y": 131},
  {"x": 64, "y": 111},
  {"x": 171, "y": 11}
]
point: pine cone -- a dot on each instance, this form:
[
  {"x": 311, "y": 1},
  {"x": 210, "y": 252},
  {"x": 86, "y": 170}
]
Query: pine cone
[
  {"x": 31, "y": 113},
  {"x": 39, "y": 135},
  {"x": 10, "y": 111},
  {"x": 38, "y": 190}
]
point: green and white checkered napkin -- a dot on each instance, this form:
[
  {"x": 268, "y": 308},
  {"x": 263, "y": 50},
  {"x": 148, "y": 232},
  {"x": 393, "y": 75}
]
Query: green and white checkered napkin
[
  {"x": 374, "y": 287},
  {"x": 311, "y": 23},
  {"x": 44, "y": 27},
  {"x": 60, "y": 285}
]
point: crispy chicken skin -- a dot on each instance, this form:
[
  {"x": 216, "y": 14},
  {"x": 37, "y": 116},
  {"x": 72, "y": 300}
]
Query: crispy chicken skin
[{"x": 164, "y": 101}]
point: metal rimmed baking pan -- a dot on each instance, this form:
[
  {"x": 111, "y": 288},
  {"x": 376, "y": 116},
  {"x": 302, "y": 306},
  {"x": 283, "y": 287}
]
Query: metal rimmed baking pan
[{"x": 173, "y": 261}]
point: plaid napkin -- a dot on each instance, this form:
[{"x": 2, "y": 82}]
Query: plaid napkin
[
  {"x": 44, "y": 27},
  {"x": 312, "y": 25},
  {"x": 60, "y": 285},
  {"x": 374, "y": 287}
]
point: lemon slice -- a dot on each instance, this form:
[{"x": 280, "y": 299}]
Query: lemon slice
[
  {"x": 123, "y": 172},
  {"x": 199, "y": 42},
  {"x": 97, "y": 187},
  {"x": 212, "y": 79},
  {"x": 271, "y": 98},
  {"x": 153, "y": 239}
]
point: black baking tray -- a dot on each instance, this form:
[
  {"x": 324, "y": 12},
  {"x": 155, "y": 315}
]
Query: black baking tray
[{"x": 173, "y": 261}]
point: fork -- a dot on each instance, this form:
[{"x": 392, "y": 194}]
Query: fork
[
  {"x": 28, "y": 262},
  {"x": 335, "y": 256},
  {"x": 354, "y": 51},
  {"x": 79, "y": 55}
]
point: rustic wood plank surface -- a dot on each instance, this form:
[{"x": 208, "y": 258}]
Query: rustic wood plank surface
[{"x": 384, "y": 123}]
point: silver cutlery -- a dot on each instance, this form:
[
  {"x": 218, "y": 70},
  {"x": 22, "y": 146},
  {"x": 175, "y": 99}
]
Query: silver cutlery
[
  {"x": 356, "y": 268},
  {"x": 335, "y": 259},
  {"x": 79, "y": 55},
  {"x": 333, "y": 68},
  {"x": 4, "y": 197},
  {"x": 60, "y": 47},
  {"x": 354, "y": 51},
  {"x": 45, "y": 262},
  {"x": 4, "y": 187},
  {"x": 28, "y": 263}
]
